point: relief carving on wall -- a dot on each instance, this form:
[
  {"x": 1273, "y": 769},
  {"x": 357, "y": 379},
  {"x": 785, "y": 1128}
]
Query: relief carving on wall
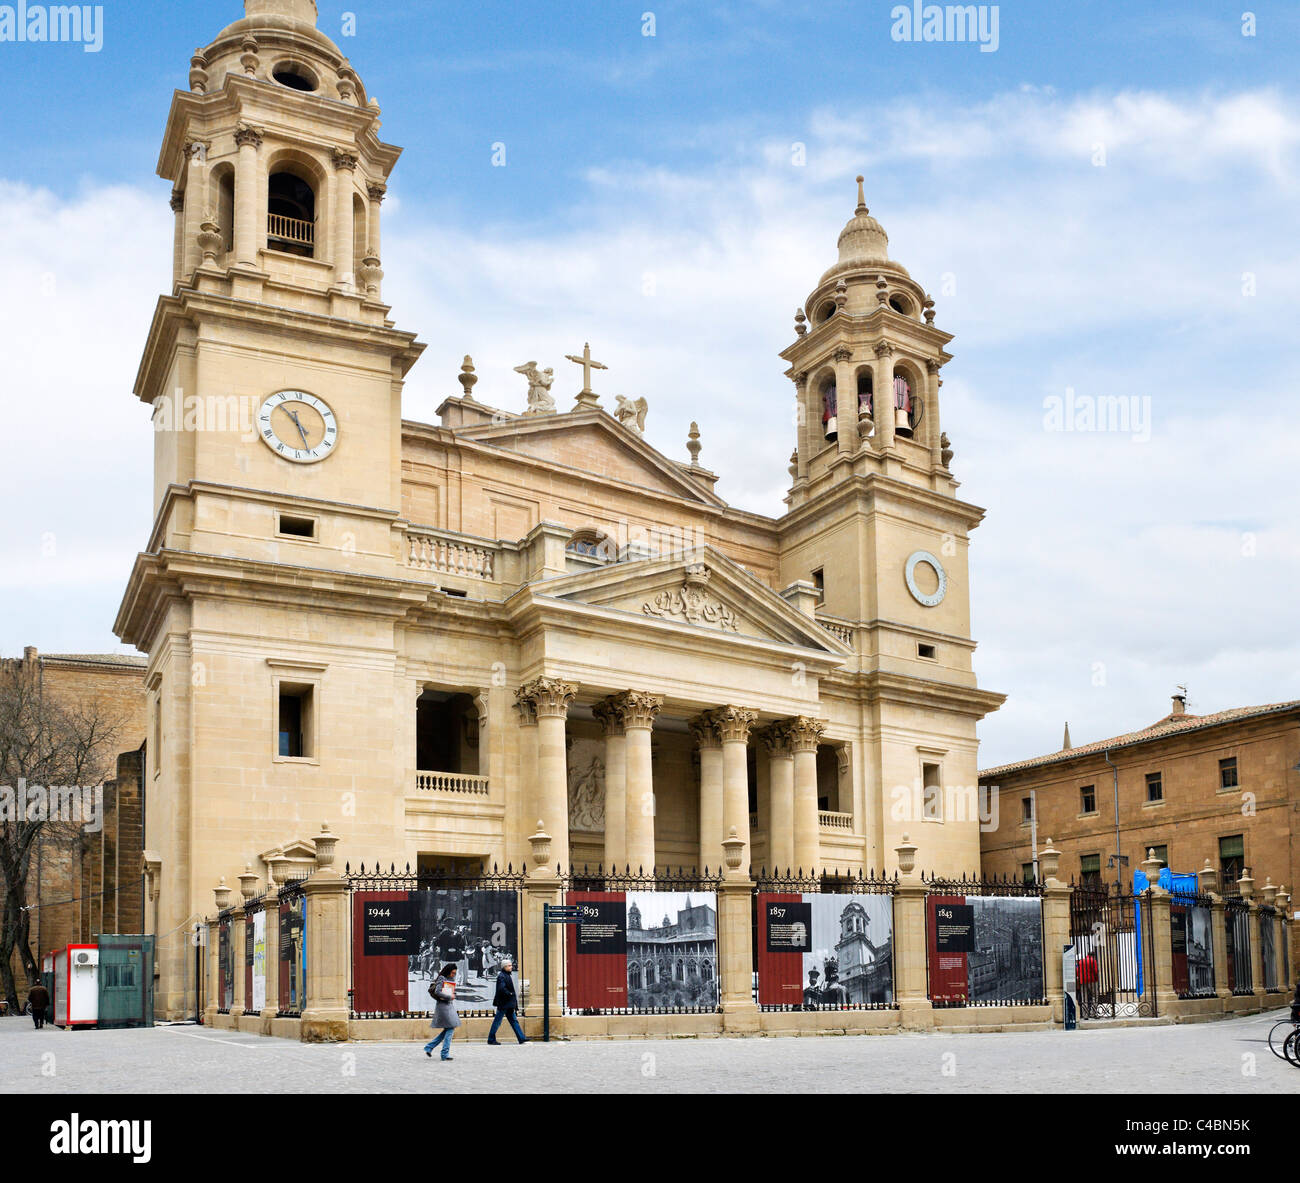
[
  {"x": 587, "y": 786},
  {"x": 692, "y": 603}
]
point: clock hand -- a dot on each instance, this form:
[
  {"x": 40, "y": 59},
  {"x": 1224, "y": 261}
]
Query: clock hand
[{"x": 298, "y": 424}]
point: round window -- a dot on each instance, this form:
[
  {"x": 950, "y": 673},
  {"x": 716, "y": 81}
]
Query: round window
[{"x": 294, "y": 76}]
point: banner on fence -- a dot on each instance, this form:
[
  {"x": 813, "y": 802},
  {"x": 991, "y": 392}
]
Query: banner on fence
[
  {"x": 225, "y": 967},
  {"x": 293, "y": 954},
  {"x": 643, "y": 950},
  {"x": 985, "y": 948},
  {"x": 1268, "y": 949},
  {"x": 819, "y": 951},
  {"x": 1193, "y": 949},
  {"x": 259, "y": 962},
  {"x": 402, "y": 939}
]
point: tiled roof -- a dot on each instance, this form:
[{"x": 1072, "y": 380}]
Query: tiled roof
[
  {"x": 119, "y": 659},
  {"x": 1169, "y": 725}
]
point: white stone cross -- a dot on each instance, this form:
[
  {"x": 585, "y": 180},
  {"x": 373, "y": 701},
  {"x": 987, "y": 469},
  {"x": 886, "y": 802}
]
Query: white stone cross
[{"x": 587, "y": 396}]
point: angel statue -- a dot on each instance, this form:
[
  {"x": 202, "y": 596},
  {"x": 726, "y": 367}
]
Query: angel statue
[
  {"x": 631, "y": 414},
  {"x": 540, "y": 401}
]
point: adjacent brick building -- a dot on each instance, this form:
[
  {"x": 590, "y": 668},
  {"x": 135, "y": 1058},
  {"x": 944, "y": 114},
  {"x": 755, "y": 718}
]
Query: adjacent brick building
[
  {"x": 91, "y": 883},
  {"x": 1223, "y": 787}
]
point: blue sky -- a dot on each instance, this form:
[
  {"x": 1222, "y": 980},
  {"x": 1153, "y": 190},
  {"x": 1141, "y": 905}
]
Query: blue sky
[{"x": 651, "y": 205}]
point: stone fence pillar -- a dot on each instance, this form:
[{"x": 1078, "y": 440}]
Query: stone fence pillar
[
  {"x": 736, "y": 941},
  {"x": 237, "y": 959},
  {"x": 1056, "y": 929},
  {"x": 271, "y": 910},
  {"x": 212, "y": 971},
  {"x": 543, "y": 886},
  {"x": 325, "y": 1010},
  {"x": 911, "y": 981}
]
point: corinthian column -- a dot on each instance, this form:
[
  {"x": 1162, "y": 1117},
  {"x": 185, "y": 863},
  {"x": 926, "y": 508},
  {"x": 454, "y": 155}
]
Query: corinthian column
[
  {"x": 345, "y": 164},
  {"x": 615, "y": 783},
  {"x": 733, "y": 724},
  {"x": 780, "y": 829},
  {"x": 549, "y": 699},
  {"x": 249, "y": 141},
  {"x": 637, "y": 710},
  {"x": 805, "y": 735},
  {"x": 706, "y": 735}
]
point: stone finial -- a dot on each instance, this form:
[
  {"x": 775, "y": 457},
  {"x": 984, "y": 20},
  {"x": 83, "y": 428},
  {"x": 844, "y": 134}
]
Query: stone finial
[
  {"x": 210, "y": 239},
  {"x": 693, "y": 444},
  {"x": 1208, "y": 878},
  {"x": 882, "y": 290},
  {"x": 794, "y": 465},
  {"x": 540, "y": 842},
  {"x": 249, "y": 58},
  {"x": 1268, "y": 892},
  {"x": 1246, "y": 885},
  {"x": 370, "y": 273},
  {"x": 862, "y": 196},
  {"x": 198, "y": 72},
  {"x": 325, "y": 844},
  {"x": 221, "y": 893},
  {"x": 1049, "y": 861},
  {"x": 841, "y": 295},
  {"x": 349, "y": 83},
  {"x": 945, "y": 458},
  {"x": 929, "y": 309},
  {"x": 248, "y": 883},
  {"x": 800, "y": 323},
  {"x": 906, "y": 851},
  {"x": 733, "y": 846},
  {"x": 1152, "y": 866},
  {"x": 468, "y": 378}
]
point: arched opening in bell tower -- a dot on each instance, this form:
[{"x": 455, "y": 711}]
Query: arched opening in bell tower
[
  {"x": 291, "y": 213},
  {"x": 909, "y": 408},
  {"x": 866, "y": 394},
  {"x": 221, "y": 201},
  {"x": 830, "y": 408}
]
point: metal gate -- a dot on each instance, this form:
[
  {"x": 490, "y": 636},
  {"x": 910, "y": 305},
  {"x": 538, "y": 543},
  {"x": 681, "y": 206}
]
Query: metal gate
[
  {"x": 125, "y": 981},
  {"x": 1112, "y": 935}
]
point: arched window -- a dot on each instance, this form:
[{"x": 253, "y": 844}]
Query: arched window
[
  {"x": 866, "y": 398},
  {"x": 223, "y": 203},
  {"x": 634, "y": 976},
  {"x": 681, "y": 970},
  {"x": 908, "y": 408},
  {"x": 706, "y": 971},
  {"x": 900, "y": 304},
  {"x": 291, "y": 215},
  {"x": 592, "y": 544},
  {"x": 830, "y": 410},
  {"x": 826, "y": 311}
]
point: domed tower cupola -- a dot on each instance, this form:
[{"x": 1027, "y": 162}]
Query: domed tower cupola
[
  {"x": 865, "y": 364},
  {"x": 277, "y": 166}
]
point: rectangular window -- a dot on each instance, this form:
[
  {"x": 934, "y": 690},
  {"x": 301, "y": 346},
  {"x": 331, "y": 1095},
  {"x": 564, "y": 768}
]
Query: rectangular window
[
  {"x": 1232, "y": 860},
  {"x": 819, "y": 581},
  {"x": 296, "y": 527},
  {"x": 1155, "y": 787},
  {"x": 925, "y": 651},
  {"x": 1228, "y": 773},
  {"x": 933, "y": 792},
  {"x": 1161, "y": 853},
  {"x": 295, "y": 721},
  {"x": 1027, "y": 872},
  {"x": 1026, "y": 810},
  {"x": 1090, "y": 869},
  {"x": 1088, "y": 799}
]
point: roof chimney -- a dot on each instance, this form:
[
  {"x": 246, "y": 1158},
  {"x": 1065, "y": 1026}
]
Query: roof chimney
[{"x": 1180, "y": 703}]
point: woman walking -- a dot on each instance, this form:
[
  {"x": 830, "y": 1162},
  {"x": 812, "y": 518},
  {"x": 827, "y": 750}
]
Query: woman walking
[{"x": 445, "y": 1018}]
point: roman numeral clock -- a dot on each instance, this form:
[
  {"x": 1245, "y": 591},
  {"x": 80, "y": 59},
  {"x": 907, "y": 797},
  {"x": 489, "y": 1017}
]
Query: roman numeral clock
[{"x": 298, "y": 426}]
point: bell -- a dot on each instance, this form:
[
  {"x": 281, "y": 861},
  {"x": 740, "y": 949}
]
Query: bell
[
  {"x": 902, "y": 421},
  {"x": 832, "y": 427}
]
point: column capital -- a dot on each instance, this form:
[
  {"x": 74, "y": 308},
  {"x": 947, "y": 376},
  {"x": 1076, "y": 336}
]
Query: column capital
[
  {"x": 634, "y": 708},
  {"x": 247, "y": 136},
  {"x": 526, "y": 710},
  {"x": 377, "y": 192},
  {"x": 734, "y": 723},
  {"x": 843, "y": 354},
  {"x": 609, "y": 717},
  {"x": 549, "y": 697},
  {"x": 776, "y": 738},
  {"x": 705, "y": 730},
  {"x": 884, "y": 349},
  {"x": 178, "y": 200},
  {"x": 344, "y": 160},
  {"x": 197, "y": 150},
  {"x": 806, "y": 733}
]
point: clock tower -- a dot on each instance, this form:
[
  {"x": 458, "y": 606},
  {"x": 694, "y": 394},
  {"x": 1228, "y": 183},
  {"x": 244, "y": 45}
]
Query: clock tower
[
  {"x": 274, "y": 377},
  {"x": 875, "y": 525}
]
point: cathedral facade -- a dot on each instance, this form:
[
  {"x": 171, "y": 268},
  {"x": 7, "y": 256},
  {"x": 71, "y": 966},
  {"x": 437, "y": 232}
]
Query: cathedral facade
[{"x": 439, "y": 636}]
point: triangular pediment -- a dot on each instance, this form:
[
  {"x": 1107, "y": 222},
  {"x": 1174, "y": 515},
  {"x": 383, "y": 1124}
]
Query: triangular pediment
[
  {"x": 698, "y": 590},
  {"x": 593, "y": 442}
]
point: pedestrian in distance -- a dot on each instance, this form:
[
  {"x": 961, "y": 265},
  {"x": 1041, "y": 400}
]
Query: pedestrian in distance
[
  {"x": 38, "y": 1003},
  {"x": 506, "y": 1002},
  {"x": 445, "y": 1018}
]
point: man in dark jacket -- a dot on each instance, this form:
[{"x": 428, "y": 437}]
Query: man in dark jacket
[
  {"x": 38, "y": 1004},
  {"x": 506, "y": 1002}
]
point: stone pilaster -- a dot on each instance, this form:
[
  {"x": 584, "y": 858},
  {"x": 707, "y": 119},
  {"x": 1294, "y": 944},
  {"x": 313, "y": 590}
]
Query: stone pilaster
[
  {"x": 249, "y": 142},
  {"x": 911, "y": 984},
  {"x": 733, "y": 724},
  {"x": 237, "y": 922},
  {"x": 736, "y": 941},
  {"x": 345, "y": 166},
  {"x": 329, "y": 958}
]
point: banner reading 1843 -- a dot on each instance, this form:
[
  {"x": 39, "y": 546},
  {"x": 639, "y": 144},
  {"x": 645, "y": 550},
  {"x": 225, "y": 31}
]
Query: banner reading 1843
[{"x": 985, "y": 948}]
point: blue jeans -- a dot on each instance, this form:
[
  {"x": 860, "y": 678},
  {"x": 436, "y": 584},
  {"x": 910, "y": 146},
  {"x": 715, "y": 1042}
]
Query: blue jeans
[
  {"x": 496, "y": 1025},
  {"x": 443, "y": 1037}
]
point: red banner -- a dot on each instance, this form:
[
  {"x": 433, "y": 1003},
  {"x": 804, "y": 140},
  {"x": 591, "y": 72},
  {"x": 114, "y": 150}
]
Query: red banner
[
  {"x": 597, "y": 951},
  {"x": 379, "y": 980},
  {"x": 780, "y": 974},
  {"x": 950, "y": 934}
]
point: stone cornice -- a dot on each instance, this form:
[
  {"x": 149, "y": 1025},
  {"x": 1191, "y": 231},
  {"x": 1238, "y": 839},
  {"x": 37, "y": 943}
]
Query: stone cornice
[
  {"x": 874, "y": 488},
  {"x": 921, "y": 692}
]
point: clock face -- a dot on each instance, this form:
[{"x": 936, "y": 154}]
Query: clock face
[
  {"x": 298, "y": 426},
  {"x": 928, "y": 588}
]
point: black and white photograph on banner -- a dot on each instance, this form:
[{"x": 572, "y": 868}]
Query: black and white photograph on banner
[
  {"x": 1007, "y": 962},
  {"x": 476, "y": 931},
  {"x": 672, "y": 950},
  {"x": 851, "y": 960},
  {"x": 1200, "y": 950}
]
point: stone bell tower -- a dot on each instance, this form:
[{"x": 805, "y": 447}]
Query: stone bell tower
[
  {"x": 274, "y": 375},
  {"x": 875, "y": 526}
]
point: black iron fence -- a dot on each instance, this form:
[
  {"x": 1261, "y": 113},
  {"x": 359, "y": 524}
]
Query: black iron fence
[
  {"x": 985, "y": 942},
  {"x": 1268, "y": 950},
  {"x": 1112, "y": 933},
  {"x": 407, "y": 925},
  {"x": 823, "y": 942},
  {"x": 1191, "y": 934},
  {"x": 1241, "y": 976},
  {"x": 642, "y": 944}
]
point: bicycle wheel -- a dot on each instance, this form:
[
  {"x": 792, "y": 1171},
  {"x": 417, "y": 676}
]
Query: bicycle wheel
[
  {"x": 1278, "y": 1035},
  {"x": 1292, "y": 1048}
]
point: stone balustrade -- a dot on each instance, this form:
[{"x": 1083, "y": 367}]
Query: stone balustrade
[
  {"x": 835, "y": 821},
  {"x": 449, "y": 555},
  {"x": 451, "y": 782}
]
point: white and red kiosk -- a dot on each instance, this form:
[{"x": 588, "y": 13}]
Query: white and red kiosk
[{"x": 76, "y": 986}]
